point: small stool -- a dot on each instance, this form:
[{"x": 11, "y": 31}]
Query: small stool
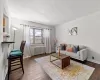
[{"x": 15, "y": 57}]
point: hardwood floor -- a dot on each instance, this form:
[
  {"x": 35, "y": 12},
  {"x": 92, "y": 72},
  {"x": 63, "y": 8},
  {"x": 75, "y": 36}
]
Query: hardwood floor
[
  {"x": 96, "y": 73},
  {"x": 33, "y": 71}
]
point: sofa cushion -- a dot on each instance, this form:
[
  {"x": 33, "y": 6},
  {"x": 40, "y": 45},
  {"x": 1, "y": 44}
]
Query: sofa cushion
[
  {"x": 73, "y": 55},
  {"x": 81, "y": 47},
  {"x": 68, "y": 45},
  {"x": 16, "y": 53},
  {"x": 15, "y": 50}
]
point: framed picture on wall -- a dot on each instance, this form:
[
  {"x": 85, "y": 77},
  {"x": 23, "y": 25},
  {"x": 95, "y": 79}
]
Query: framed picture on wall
[{"x": 73, "y": 31}]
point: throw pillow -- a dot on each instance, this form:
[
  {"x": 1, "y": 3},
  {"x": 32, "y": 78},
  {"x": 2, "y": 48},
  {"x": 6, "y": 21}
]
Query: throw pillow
[
  {"x": 78, "y": 48},
  {"x": 63, "y": 46},
  {"x": 70, "y": 49},
  {"x": 74, "y": 49}
]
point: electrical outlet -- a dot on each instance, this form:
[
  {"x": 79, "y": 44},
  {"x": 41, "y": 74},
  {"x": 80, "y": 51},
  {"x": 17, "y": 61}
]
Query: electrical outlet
[{"x": 92, "y": 57}]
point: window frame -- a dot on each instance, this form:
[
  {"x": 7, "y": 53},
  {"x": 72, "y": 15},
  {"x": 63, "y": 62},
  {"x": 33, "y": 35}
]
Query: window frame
[{"x": 42, "y": 39}]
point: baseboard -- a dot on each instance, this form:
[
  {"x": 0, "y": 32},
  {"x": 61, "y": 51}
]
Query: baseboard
[
  {"x": 93, "y": 61},
  {"x": 26, "y": 57},
  {"x": 6, "y": 78}
]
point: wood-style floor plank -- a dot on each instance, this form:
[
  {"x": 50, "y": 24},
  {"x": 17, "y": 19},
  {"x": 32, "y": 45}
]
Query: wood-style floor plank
[{"x": 33, "y": 71}]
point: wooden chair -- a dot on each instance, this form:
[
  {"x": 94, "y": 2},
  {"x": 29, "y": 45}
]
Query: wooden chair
[{"x": 15, "y": 57}]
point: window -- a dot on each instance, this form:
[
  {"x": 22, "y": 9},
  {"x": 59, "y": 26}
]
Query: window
[{"x": 36, "y": 36}]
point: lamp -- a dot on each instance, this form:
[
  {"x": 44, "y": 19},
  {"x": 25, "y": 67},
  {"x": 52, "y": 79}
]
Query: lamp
[{"x": 14, "y": 28}]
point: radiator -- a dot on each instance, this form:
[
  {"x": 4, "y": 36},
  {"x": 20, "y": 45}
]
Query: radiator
[{"x": 39, "y": 50}]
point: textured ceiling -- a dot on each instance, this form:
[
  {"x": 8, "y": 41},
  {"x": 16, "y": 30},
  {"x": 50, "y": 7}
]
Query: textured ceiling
[{"x": 52, "y": 12}]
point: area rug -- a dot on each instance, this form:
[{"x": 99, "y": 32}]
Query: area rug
[{"x": 75, "y": 71}]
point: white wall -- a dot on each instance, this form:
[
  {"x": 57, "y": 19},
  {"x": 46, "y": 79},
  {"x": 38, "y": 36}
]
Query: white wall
[
  {"x": 3, "y": 48},
  {"x": 19, "y": 34},
  {"x": 88, "y": 34},
  {"x": 1, "y": 39},
  {"x": 3, "y": 57},
  {"x": 1, "y": 18}
]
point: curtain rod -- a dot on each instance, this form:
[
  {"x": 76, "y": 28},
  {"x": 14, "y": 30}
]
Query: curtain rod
[{"x": 24, "y": 25}]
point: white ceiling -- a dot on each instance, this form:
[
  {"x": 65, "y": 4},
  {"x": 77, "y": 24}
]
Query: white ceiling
[{"x": 52, "y": 12}]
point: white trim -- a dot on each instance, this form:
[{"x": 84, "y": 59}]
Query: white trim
[
  {"x": 93, "y": 61},
  {"x": 26, "y": 57}
]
